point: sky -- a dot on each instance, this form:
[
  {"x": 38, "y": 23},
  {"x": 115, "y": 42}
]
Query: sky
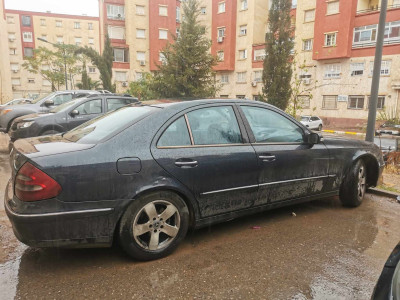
[{"x": 70, "y": 7}]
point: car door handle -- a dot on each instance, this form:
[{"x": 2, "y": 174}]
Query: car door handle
[
  {"x": 268, "y": 157},
  {"x": 189, "y": 164}
]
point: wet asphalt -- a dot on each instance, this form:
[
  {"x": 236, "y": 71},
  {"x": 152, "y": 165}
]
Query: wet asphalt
[{"x": 317, "y": 250}]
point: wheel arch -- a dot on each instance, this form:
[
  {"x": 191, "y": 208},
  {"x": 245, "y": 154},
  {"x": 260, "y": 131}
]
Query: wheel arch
[
  {"x": 55, "y": 127},
  {"x": 372, "y": 167}
]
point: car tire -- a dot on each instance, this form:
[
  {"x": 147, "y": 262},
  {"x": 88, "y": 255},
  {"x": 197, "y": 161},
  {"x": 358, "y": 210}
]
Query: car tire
[
  {"x": 154, "y": 225},
  {"x": 49, "y": 132},
  {"x": 320, "y": 127},
  {"x": 354, "y": 185}
]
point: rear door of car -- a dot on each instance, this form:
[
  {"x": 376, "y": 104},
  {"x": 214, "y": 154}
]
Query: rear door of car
[
  {"x": 289, "y": 167},
  {"x": 206, "y": 148},
  {"x": 87, "y": 111}
]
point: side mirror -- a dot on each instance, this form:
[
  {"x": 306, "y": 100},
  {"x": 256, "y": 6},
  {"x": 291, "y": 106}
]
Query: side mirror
[
  {"x": 313, "y": 138},
  {"x": 74, "y": 113},
  {"x": 49, "y": 103}
]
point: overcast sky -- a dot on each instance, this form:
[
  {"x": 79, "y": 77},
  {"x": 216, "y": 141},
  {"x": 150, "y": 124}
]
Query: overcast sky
[{"x": 70, "y": 7}]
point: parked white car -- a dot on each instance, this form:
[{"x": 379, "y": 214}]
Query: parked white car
[{"x": 312, "y": 122}]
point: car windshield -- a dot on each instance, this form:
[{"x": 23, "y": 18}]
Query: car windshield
[
  {"x": 65, "y": 105},
  {"x": 103, "y": 126},
  {"x": 41, "y": 98},
  {"x": 305, "y": 119}
]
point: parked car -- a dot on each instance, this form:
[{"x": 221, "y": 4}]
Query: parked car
[
  {"x": 41, "y": 104},
  {"x": 149, "y": 173},
  {"x": 388, "y": 285},
  {"x": 16, "y": 102},
  {"x": 67, "y": 115},
  {"x": 312, "y": 122},
  {"x": 389, "y": 127}
]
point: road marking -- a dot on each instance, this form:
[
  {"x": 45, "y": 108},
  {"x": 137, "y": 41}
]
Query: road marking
[{"x": 343, "y": 132}]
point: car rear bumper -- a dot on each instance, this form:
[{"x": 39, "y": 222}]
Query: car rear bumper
[{"x": 75, "y": 228}]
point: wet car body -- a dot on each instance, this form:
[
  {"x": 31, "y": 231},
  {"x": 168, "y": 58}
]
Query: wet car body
[
  {"x": 63, "y": 119},
  {"x": 100, "y": 179}
]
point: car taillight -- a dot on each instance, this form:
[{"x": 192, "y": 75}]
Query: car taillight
[{"x": 32, "y": 184}]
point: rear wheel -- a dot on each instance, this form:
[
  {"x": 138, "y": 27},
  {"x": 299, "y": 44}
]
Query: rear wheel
[
  {"x": 154, "y": 225},
  {"x": 354, "y": 185}
]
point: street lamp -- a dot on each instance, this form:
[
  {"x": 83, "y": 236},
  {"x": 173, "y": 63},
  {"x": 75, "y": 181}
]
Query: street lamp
[{"x": 64, "y": 56}]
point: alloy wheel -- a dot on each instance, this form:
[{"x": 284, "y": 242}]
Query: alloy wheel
[{"x": 361, "y": 182}]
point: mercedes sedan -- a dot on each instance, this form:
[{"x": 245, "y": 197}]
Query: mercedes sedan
[{"x": 147, "y": 174}]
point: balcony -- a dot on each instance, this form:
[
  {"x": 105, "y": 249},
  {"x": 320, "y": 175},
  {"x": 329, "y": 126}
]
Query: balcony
[{"x": 369, "y": 6}]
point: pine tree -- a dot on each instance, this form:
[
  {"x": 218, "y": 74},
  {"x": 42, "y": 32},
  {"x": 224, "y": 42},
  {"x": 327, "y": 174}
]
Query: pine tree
[
  {"x": 277, "y": 73},
  {"x": 85, "y": 78},
  {"x": 186, "y": 71}
]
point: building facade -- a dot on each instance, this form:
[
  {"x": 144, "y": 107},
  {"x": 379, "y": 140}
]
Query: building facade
[
  {"x": 5, "y": 72},
  {"x": 335, "y": 40},
  {"x": 23, "y": 30}
]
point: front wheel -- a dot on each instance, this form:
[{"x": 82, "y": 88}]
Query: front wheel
[
  {"x": 354, "y": 185},
  {"x": 154, "y": 225}
]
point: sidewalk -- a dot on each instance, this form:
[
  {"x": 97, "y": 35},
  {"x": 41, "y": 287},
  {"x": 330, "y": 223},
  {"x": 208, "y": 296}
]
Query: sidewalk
[{"x": 4, "y": 139}]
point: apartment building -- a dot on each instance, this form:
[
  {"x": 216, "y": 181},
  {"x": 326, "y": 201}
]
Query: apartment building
[
  {"x": 336, "y": 40},
  {"x": 23, "y": 29},
  {"x": 5, "y": 74}
]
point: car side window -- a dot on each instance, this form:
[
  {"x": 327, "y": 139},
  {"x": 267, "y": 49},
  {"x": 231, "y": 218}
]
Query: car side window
[
  {"x": 176, "y": 134},
  {"x": 214, "y": 125},
  {"x": 314, "y": 119},
  {"x": 90, "y": 107},
  {"x": 271, "y": 127},
  {"x": 115, "y": 103},
  {"x": 62, "y": 98}
]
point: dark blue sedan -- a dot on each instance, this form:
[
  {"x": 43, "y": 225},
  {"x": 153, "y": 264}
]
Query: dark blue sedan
[{"x": 147, "y": 174}]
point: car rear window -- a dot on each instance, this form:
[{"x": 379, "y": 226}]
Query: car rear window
[{"x": 109, "y": 124}]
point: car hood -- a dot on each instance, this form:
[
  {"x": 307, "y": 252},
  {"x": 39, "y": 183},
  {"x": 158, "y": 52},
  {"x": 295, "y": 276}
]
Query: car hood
[
  {"x": 32, "y": 117},
  {"x": 48, "y": 145}
]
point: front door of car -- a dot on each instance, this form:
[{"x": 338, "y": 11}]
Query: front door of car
[
  {"x": 86, "y": 111},
  {"x": 289, "y": 167},
  {"x": 207, "y": 150}
]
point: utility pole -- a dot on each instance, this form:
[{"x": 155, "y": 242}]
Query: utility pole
[{"x": 376, "y": 74}]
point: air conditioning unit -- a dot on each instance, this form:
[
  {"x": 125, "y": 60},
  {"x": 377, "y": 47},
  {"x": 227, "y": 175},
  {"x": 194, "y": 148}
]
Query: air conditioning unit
[
  {"x": 254, "y": 83},
  {"x": 307, "y": 81},
  {"x": 220, "y": 39},
  {"x": 124, "y": 84},
  {"x": 142, "y": 62},
  {"x": 119, "y": 16}
]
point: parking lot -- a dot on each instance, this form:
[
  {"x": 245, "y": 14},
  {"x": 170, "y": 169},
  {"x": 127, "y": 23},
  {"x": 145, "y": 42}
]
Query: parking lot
[{"x": 318, "y": 250}]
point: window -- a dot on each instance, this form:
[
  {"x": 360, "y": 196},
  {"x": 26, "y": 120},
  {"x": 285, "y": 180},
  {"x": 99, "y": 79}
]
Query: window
[
  {"x": 396, "y": 2},
  {"x": 392, "y": 31},
  {"x": 31, "y": 80},
  {"x": 10, "y": 20},
  {"x": 380, "y": 104},
  {"x": 163, "y": 10},
  {"x": 240, "y": 96},
  {"x": 60, "y": 39},
  {"x": 221, "y": 32},
  {"x": 243, "y": 4},
  {"x": 162, "y": 34},
  {"x": 271, "y": 127},
  {"x": 243, "y": 54},
  {"x": 11, "y": 36},
  {"x": 221, "y": 55},
  {"x": 203, "y": 10},
  {"x": 140, "y": 33},
  {"x": 162, "y": 58},
  {"x": 62, "y": 98},
  {"x": 90, "y": 26},
  {"x": 356, "y": 102},
  {"x": 307, "y": 45},
  {"x": 224, "y": 78},
  {"x": 27, "y": 37},
  {"x": 259, "y": 54},
  {"x": 329, "y": 102},
  {"x": 28, "y": 52},
  {"x": 258, "y": 76},
  {"x": 42, "y": 22},
  {"x": 113, "y": 104},
  {"x": 309, "y": 15},
  {"x": 92, "y": 70},
  {"x": 330, "y": 39},
  {"x": 356, "y": 69},
  {"x": 117, "y": 33},
  {"x": 140, "y": 10},
  {"x": 139, "y": 76},
  {"x": 90, "y": 107},
  {"x": 176, "y": 134},
  {"x": 221, "y": 7},
  {"x": 243, "y": 30},
  {"x": 14, "y": 67},
  {"x": 332, "y": 7},
  {"x": 78, "y": 41},
  {"x": 13, "y": 51},
  {"x": 44, "y": 37},
  {"x": 224, "y": 96},
  {"x": 15, "y": 81},
  {"x": 121, "y": 55},
  {"x": 241, "y": 77},
  {"x": 26, "y": 21},
  {"x": 140, "y": 55},
  {"x": 91, "y": 41},
  {"x": 214, "y": 126},
  {"x": 385, "y": 67},
  {"x": 365, "y": 34},
  {"x": 178, "y": 14},
  {"x": 116, "y": 12},
  {"x": 304, "y": 101},
  {"x": 256, "y": 97},
  {"x": 77, "y": 25},
  {"x": 58, "y": 23},
  {"x": 332, "y": 71}
]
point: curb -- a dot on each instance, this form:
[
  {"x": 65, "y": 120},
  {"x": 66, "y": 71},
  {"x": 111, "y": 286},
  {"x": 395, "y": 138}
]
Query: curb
[
  {"x": 344, "y": 132},
  {"x": 382, "y": 193}
]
